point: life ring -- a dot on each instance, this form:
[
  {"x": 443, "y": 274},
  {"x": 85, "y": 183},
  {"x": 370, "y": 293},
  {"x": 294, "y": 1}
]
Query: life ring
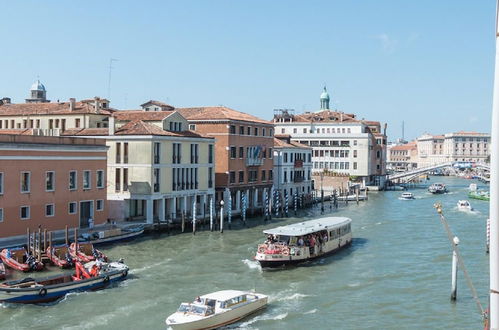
[
  {"x": 42, "y": 292},
  {"x": 285, "y": 252},
  {"x": 106, "y": 279},
  {"x": 125, "y": 273}
]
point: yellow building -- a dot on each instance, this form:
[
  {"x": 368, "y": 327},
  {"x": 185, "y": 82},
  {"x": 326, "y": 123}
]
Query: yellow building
[{"x": 157, "y": 169}]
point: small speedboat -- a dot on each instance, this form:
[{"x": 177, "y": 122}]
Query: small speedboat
[
  {"x": 216, "y": 309},
  {"x": 407, "y": 196},
  {"x": 59, "y": 255},
  {"x": 479, "y": 194},
  {"x": 19, "y": 259},
  {"x": 87, "y": 277},
  {"x": 437, "y": 188},
  {"x": 473, "y": 187},
  {"x": 464, "y": 205},
  {"x": 86, "y": 252}
]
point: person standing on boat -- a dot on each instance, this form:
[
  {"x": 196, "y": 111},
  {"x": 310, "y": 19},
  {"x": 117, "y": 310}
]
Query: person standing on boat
[
  {"x": 90, "y": 223},
  {"x": 300, "y": 241}
]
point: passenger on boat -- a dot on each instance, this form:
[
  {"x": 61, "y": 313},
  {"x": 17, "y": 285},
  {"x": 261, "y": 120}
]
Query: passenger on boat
[
  {"x": 8, "y": 254},
  {"x": 198, "y": 300},
  {"x": 300, "y": 241},
  {"x": 312, "y": 245}
]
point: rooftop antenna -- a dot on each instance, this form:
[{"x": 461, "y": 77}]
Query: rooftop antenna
[{"x": 111, "y": 60}]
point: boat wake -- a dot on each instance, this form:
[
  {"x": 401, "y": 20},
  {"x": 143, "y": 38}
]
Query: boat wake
[
  {"x": 252, "y": 264},
  {"x": 294, "y": 296},
  {"x": 263, "y": 317},
  {"x": 143, "y": 269},
  {"x": 313, "y": 311}
]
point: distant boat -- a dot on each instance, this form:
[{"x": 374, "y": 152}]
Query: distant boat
[
  {"x": 473, "y": 187},
  {"x": 215, "y": 310},
  {"x": 88, "y": 277},
  {"x": 479, "y": 194},
  {"x": 304, "y": 241},
  {"x": 437, "y": 188},
  {"x": 112, "y": 235},
  {"x": 407, "y": 196},
  {"x": 464, "y": 205}
]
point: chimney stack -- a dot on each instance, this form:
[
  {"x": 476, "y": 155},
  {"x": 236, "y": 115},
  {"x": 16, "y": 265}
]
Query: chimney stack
[
  {"x": 97, "y": 104},
  {"x": 111, "y": 125},
  {"x": 72, "y": 102}
]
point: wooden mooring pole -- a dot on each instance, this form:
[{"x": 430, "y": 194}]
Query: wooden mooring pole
[
  {"x": 67, "y": 236},
  {"x": 28, "y": 240}
]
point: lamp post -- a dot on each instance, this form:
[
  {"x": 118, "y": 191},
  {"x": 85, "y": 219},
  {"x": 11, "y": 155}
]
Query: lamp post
[
  {"x": 222, "y": 216},
  {"x": 322, "y": 192}
]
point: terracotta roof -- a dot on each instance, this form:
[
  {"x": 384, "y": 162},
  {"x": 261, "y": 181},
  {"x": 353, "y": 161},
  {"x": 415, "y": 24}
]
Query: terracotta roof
[
  {"x": 326, "y": 116},
  {"x": 26, "y": 109},
  {"x": 159, "y": 104},
  {"x": 132, "y": 115},
  {"x": 138, "y": 127},
  {"x": 278, "y": 143},
  {"x": 469, "y": 133},
  {"x": 408, "y": 146},
  {"x": 218, "y": 113},
  {"x": 85, "y": 132},
  {"x": 18, "y": 131}
]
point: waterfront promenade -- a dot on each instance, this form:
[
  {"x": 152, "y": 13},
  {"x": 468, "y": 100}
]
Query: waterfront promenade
[{"x": 395, "y": 275}]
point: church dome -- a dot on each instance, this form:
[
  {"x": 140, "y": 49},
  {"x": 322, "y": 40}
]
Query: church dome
[
  {"x": 38, "y": 86},
  {"x": 325, "y": 94}
]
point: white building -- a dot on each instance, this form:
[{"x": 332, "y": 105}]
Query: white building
[
  {"x": 451, "y": 147},
  {"x": 340, "y": 142},
  {"x": 292, "y": 168}
]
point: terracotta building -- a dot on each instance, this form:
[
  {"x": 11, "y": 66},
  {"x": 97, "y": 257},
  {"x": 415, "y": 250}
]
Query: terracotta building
[
  {"x": 244, "y": 156},
  {"x": 51, "y": 182}
]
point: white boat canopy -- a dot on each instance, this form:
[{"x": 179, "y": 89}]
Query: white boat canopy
[
  {"x": 309, "y": 227},
  {"x": 224, "y": 295}
]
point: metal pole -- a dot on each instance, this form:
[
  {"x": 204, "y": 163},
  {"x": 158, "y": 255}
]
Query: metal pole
[
  {"x": 494, "y": 194},
  {"x": 194, "y": 216},
  {"x": 322, "y": 194},
  {"x": 221, "y": 216},
  {"x": 45, "y": 240},
  {"x": 211, "y": 213},
  {"x": 453, "y": 294}
]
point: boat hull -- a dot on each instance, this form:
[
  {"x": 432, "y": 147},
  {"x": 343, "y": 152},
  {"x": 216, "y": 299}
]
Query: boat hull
[
  {"x": 222, "y": 319},
  {"x": 50, "y": 293}
]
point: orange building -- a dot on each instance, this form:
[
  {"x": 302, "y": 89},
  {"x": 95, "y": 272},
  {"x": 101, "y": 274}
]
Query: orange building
[
  {"x": 51, "y": 182},
  {"x": 244, "y": 158}
]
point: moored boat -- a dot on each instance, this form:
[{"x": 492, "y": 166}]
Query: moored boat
[
  {"x": 19, "y": 259},
  {"x": 407, "y": 196},
  {"x": 88, "y": 277},
  {"x": 60, "y": 256},
  {"x": 2, "y": 271},
  {"x": 113, "y": 235},
  {"x": 216, "y": 309},
  {"x": 304, "y": 241},
  {"x": 479, "y": 194},
  {"x": 86, "y": 252},
  {"x": 437, "y": 188}
]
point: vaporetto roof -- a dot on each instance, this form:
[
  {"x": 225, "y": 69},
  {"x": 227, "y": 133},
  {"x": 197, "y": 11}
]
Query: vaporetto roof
[{"x": 309, "y": 227}]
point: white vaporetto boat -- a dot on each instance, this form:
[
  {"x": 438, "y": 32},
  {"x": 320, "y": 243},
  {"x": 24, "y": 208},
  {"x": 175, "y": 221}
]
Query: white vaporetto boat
[
  {"x": 407, "y": 196},
  {"x": 464, "y": 205},
  {"x": 216, "y": 309},
  {"x": 304, "y": 241}
]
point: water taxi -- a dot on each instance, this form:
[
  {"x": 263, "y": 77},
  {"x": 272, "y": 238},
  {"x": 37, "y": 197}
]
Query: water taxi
[
  {"x": 304, "y": 241},
  {"x": 437, "y": 188},
  {"x": 464, "y": 205},
  {"x": 216, "y": 309},
  {"x": 407, "y": 196}
]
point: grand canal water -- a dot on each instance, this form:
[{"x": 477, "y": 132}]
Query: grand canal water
[{"x": 396, "y": 275}]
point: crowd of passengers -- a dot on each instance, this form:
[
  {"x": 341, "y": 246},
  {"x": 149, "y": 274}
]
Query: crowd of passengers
[{"x": 274, "y": 245}]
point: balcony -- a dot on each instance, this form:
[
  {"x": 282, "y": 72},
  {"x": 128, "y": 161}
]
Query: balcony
[{"x": 254, "y": 161}]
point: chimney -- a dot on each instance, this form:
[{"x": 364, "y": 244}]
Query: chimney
[
  {"x": 97, "y": 104},
  {"x": 111, "y": 125},
  {"x": 72, "y": 104}
]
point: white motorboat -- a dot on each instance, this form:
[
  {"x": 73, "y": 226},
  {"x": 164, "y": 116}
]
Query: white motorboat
[
  {"x": 464, "y": 205},
  {"x": 216, "y": 309},
  {"x": 407, "y": 196},
  {"x": 473, "y": 187},
  {"x": 437, "y": 188}
]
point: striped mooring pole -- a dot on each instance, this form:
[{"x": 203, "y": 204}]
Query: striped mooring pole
[
  {"x": 229, "y": 209},
  {"x": 194, "y": 216},
  {"x": 276, "y": 197},
  {"x": 286, "y": 200},
  {"x": 266, "y": 205},
  {"x": 243, "y": 207},
  {"x": 488, "y": 235},
  {"x": 296, "y": 202},
  {"x": 211, "y": 213}
]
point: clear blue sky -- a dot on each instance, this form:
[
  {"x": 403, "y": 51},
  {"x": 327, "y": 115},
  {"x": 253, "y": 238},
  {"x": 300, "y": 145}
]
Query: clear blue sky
[{"x": 429, "y": 63}]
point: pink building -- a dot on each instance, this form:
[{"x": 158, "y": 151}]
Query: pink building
[{"x": 52, "y": 182}]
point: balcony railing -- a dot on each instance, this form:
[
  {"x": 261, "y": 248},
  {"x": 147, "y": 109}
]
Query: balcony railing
[{"x": 254, "y": 161}]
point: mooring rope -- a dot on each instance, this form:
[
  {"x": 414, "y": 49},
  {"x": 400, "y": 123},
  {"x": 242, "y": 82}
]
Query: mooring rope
[{"x": 460, "y": 260}]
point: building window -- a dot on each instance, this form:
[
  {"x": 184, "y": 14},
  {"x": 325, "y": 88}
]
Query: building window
[
  {"x": 100, "y": 179},
  {"x": 72, "y": 180},
  {"x": 270, "y": 153},
  {"x": 49, "y": 181},
  {"x": 118, "y": 152},
  {"x": 177, "y": 152},
  {"x": 271, "y": 175},
  {"x": 354, "y": 165},
  {"x": 241, "y": 130},
  {"x": 1, "y": 183},
  {"x": 156, "y": 152},
  {"x": 248, "y": 130},
  {"x": 49, "y": 210},
  {"x": 263, "y": 132},
  {"x": 156, "y": 180},
  {"x": 100, "y": 205},
  {"x": 72, "y": 208},
  {"x": 24, "y": 212},
  {"x": 256, "y": 131},
  {"x": 355, "y": 154},
  {"x": 125, "y": 152},
  {"x": 283, "y": 130},
  {"x": 232, "y": 129},
  {"x": 125, "y": 179},
  {"x": 1, "y": 215},
  {"x": 233, "y": 152},
  {"x": 285, "y": 157},
  {"x": 210, "y": 177},
  {"x": 210, "y": 153},
  {"x": 117, "y": 179},
  {"x": 192, "y": 127},
  {"x": 194, "y": 153},
  {"x": 86, "y": 180},
  {"x": 252, "y": 176},
  {"x": 354, "y": 142},
  {"x": 25, "y": 182},
  {"x": 264, "y": 178},
  {"x": 241, "y": 152},
  {"x": 241, "y": 176},
  {"x": 232, "y": 177}
]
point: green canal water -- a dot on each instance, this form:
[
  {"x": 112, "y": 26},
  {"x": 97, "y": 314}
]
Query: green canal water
[{"x": 396, "y": 274}]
